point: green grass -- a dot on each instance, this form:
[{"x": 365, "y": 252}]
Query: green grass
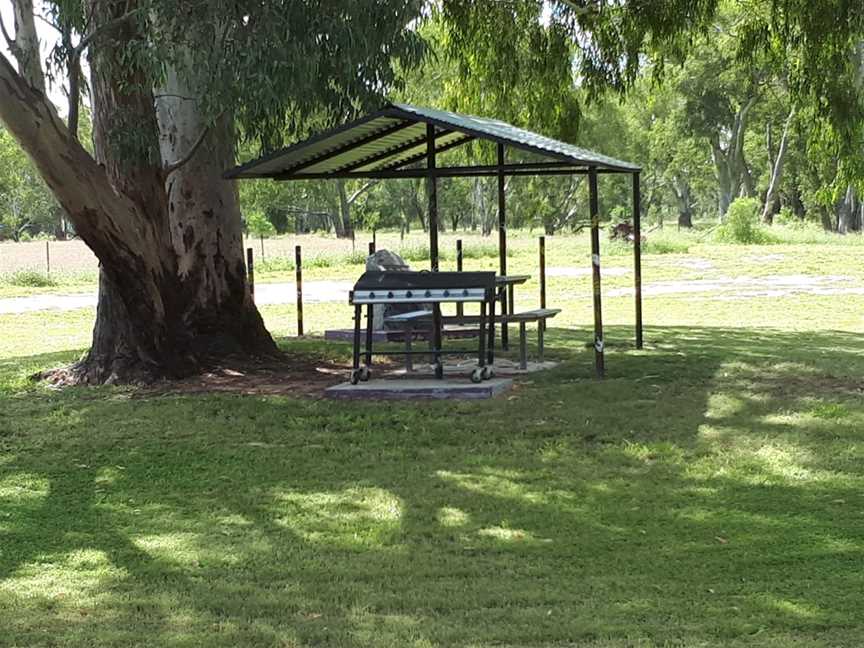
[
  {"x": 30, "y": 279},
  {"x": 707, "y": 493},
  {"x": 26, "y": 282}
]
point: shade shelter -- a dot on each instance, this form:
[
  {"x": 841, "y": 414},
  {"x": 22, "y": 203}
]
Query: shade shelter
[{"x": 404, "y": 141}]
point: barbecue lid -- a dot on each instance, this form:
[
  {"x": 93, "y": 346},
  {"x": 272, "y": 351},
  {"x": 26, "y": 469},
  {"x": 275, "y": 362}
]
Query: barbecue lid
[{"x": 424, "y": 280}]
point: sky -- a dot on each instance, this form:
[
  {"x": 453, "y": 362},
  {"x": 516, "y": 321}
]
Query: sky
[{"x": 47, "y": 39}]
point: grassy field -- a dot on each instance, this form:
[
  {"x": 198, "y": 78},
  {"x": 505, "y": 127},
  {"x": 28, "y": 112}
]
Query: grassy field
[{"x": 707, "y": 493}]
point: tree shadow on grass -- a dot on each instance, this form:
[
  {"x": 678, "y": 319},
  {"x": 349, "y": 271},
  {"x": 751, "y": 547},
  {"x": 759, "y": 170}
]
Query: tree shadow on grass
[{"x": 707, "y": 491}]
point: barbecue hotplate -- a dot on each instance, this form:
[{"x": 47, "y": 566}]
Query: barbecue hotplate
[{"x": 422, "y": 287}]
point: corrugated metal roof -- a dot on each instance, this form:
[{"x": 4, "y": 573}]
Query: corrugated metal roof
[{"x": 391, "y": 138}]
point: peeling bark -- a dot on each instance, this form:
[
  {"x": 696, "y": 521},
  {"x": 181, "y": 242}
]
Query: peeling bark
[
  {"x": 206, "y": 226},
  {"x": 25, "y": 47}
]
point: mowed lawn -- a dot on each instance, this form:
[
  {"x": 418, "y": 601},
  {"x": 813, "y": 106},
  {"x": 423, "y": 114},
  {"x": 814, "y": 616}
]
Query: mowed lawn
[{"x": 709, "y": 492}]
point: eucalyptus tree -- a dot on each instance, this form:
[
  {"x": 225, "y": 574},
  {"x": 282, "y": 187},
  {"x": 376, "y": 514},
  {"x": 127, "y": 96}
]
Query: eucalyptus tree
[
  {"x": 524, "y": 57},
  {"x": 169, "y": 84}
]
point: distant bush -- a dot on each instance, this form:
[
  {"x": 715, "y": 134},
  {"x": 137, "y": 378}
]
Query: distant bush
[
  {"x": 665, "y": 245},
  {"x": 482, "y": 251},
  {"x": 410, "y": 253},
  {"x": 29, "y": 279},
  {"x": 25, "y": 236},
  {"x": 416, "y": 253},
  {"x": 656, "y": 242},
  {"x": 275, "y": 264},
  {"x": 742, "y": 224},
  {"x": 258, "y": 225},
  {"x": 287, "y": 264},
  {"x": 787, "y": 218},
  {"x": 421, "y": 252}
]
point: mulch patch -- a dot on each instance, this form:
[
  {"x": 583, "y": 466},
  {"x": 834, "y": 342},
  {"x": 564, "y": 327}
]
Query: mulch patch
[{"x": 292, "y": 375}]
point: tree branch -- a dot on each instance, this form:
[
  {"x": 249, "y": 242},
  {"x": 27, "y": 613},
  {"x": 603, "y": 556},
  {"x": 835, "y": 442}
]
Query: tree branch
[
  {"x": 361, "y": 190},
  {"x": 169, "y": 95},
  {"x": 174, "y": 166},
  {"x": 10, "y": 42},
  {"x": 48, "y": 22},
  {"x": 101, "y": 30}
]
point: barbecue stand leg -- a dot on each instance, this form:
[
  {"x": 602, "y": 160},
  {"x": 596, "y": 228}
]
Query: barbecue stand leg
[
  {"x": 370, "y": 320},
  {"x": 490, "y": 345},
  {"x": 409, "y": 335},
  {"x": 477, "y": 375},
  {"x": 540, "y": 331},
  {"x": 436, "y": 341},
  {"x": 355, "y": 367},
  {"x": 523, "y": 346},
  {"x": 505, "y": 333},
  {"x": 363, "y": 373}
]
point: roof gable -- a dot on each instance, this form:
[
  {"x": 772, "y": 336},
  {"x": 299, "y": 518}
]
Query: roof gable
[{"x": 386, "y": 141}]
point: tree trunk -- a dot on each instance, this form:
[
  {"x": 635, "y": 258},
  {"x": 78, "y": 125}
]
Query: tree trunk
[
  {"x": 158, "y": 316},
  {"x": 777, "y": 172},
  {"x": 725, "y": 190},
  {"x": 206, "y": 227},
  {"x": 418, "y": 204},
  {"x": 732, "y": 172},
  {"x": 681, "y": 188},
  {"x": 345, "y": 227},
  {"x": 848, "y": 212}
]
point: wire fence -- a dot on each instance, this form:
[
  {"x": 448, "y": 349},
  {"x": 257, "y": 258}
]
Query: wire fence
[{"x": 74, "y": 258}]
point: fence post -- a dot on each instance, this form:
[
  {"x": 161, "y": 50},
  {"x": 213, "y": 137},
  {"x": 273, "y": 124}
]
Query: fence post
[
  {"x": 459, "y": 306},
  {"x": 262, "y": 247},
  {"x": 48, "y": 259},
  {"x": 543, "y": 278},
  {"x": 298, "y": 262},
  {"x": 250, "y": 271}
]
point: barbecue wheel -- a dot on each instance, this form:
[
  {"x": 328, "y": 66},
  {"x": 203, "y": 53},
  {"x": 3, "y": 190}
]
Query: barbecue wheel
[
  {"x": 488, "y": 372},
  {"x": 477, "y": 375},
  {"x": 364, "y": 373},
  {"x": 355, "y": 376}
]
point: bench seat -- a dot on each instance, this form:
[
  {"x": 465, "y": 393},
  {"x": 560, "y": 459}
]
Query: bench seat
[{"x": 539, "y": 315}]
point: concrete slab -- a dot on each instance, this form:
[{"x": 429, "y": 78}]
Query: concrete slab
[
  {"x": 420, "y": 389},
  {"x": 384, "y": 335},
  {"x": 503, "y": 367}
]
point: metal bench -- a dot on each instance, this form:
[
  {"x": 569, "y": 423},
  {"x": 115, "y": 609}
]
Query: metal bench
[
  {"x": 540, "y": 316},
  {"x": 423, "y": 318}
]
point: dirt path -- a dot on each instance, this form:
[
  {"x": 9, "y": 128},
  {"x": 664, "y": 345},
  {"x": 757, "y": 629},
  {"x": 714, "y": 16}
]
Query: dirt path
[{"x": 265, "y": 294}]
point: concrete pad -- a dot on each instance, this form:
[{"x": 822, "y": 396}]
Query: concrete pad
[
  {"x": 502, "y": 367},
  {"x": 420, "y": 389},
  {"x": 387, "y": 335}
]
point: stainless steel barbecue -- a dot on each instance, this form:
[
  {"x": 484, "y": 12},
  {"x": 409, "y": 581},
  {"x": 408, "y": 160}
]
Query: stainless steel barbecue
[
  {"x": 427, "y": 291},
  {"x": 418, "y": 296}
]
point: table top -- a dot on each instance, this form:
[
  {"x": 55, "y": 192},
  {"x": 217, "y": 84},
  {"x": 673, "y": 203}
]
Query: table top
[{"x": 511, "y": 280}]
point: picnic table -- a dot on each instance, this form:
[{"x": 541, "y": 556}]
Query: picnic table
[
  {"x": 506, "y": 285},
  {"x": 505, "y": 293}
]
